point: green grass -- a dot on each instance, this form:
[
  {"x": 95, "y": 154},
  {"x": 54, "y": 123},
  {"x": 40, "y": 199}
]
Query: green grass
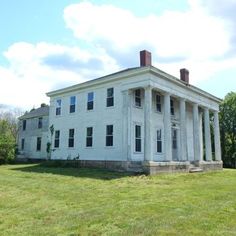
[{"x": 36, "y": 200}]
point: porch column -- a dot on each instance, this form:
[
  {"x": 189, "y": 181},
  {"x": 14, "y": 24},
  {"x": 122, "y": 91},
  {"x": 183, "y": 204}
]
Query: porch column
[
  {"x": 127, "y": 124},
  {"x": 148, "y": 125},
  {"x": 207, "y": 135},
  {"x": 183, "y": 130},
  {"x": 217, "y": 137},
  {"x": 196, "y": 133},
  {"x": 167, "y": 128}
]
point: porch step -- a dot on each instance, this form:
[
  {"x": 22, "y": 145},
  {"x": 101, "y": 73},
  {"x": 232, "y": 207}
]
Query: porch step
[{"x": 195, "y": 169}]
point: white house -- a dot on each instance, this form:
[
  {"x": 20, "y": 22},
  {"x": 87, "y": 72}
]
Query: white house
[
  {"x": 33, "y": 133},
  {"x": 140, "y": 118}
]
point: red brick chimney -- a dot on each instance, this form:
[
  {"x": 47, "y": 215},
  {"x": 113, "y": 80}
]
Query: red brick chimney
[
  {"x": 145, "y": 58},
  {"x": 184, "y": 75}
]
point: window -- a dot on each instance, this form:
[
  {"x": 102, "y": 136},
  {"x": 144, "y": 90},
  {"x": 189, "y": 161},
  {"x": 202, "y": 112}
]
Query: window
[
  {"x": 22, "y": 144},
  {"x": 158, "y": 103},
  {"x": 89, "y": 138},
  {"x": 138, "y": 98},
  {"x": 138, "y": 138},
  {"x": 159, "y": 141},
  {"x": 58, "y": 107},
  {"x": 172, "y": 109},
  {"x": 57, "y": 139},
  {"x": 40, "y": 123},
  {"x": 110, "y": 97},
  {"x": 90, "y": 101},
  {"x": 39, "y": 140},
  {"x": 174, "y": 138},
  {"x": 72, "y": 104},
  {"x": 24, "y": 124},
  {"x": 71, "y": 138},
  {"x": 109, "y": 135}
]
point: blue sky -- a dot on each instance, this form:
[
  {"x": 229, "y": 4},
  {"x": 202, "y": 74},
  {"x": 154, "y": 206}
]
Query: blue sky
[{"x": 46, "y": 45}]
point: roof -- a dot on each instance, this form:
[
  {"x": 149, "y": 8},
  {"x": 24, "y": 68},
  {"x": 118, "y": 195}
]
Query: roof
[
  {"x": 41, "y": 111},
  {"x": 133, "y": 71}
]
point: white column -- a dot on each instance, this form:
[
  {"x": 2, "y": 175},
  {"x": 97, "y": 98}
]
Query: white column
[
  {"x": 183, "y": 130},
  {"x": 148, "y": 124},
  {"x": 127, "y": 124},
  {"x": 167, "y": 128},
  {"x": 201, "y": 135},
  {"x": 196, "y": 133},
  {"x": 207, "y": 135},
  {"x": 217, "y": 137}
]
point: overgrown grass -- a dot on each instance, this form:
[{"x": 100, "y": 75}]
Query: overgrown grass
[{"x": 36, "y": 200}]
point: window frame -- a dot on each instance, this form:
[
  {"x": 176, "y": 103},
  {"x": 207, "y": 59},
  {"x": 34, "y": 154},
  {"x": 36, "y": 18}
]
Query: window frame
[
  {"x": 24, "y": 125},
  {"x": 90, "y": 102},
  {"x": 72, "y": 104},
  {"x": 58, "y": 106},
  {"x": 39, "y": 144},
  {"x": 89, "y": 137},
  {"x": 159, "y": 141},
  {"x": 57, "y": 139},
  {"x": 110, "y": 98},
  {"x": 22, "y": 144},
  {"x": 137, "y": 139},
  {"x": 174, "y": 139},
  {"x": 71, "y": 138},
  {"x": 40, "y": 122},
  {"x": 158, "y": 103},
  {"x": 172, "y": 107},
  {"x": 138, "y": 98},
  {"x": 109, "y": 136}
]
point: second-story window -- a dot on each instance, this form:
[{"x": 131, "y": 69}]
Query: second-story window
[
  {"x": 58, "y": 107},
  {"x": 137, "y": 98},
  {"x": 57, "y": 139},
  {"x": 90, "y": 101},
  {"x": 172, "y": 107},
  {"x": 158, "y": 102},
  {"x": 89, "y": 137},
  {"x": 24, "y": 125},
  {"x": 40, "y": 122},
  {"x": 110, "y": 97},
  {"x": 71, "y": 137},
  {"x": 72, "y": 104}
]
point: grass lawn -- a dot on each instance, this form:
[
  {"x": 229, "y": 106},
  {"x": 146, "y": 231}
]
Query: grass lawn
[{"x": 36, "y": 200}]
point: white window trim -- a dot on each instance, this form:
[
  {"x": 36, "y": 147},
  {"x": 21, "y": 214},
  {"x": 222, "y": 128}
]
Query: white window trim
[{"x": 134, "y": 138}]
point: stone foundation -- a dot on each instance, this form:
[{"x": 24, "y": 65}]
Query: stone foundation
[
  {"x": 153, "y": 168},
  {"x": 211, "y": 165}
]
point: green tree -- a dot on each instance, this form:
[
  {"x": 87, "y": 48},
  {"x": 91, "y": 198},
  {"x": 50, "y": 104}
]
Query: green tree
[{"x": 227, "y": 118}]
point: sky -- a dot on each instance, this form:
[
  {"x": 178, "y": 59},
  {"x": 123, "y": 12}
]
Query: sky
[{"x": 47, "y": 45}]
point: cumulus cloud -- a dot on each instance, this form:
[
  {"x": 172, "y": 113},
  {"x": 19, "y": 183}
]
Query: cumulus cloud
[{"x": 109, "y": 39}]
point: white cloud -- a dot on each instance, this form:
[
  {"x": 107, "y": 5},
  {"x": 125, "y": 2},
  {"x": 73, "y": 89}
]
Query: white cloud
[{"x": 113, "y": 36}]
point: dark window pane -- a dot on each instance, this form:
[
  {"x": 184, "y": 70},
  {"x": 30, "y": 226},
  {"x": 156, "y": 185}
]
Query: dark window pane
[
  {"x": 137, "y": 131},
  {"x": 110, "y": 102},
  {"x": 109, "y": 129},
  {"x": 90, "y": 105},
  {"x": 72, "y": 108},
  {"x": 22, "y": 144},
  {"x": 110, "y": 92},
  {"x": 72, "y": 100},
  {"x": 71, "y": 142},
  {"x": 137, "y": 145},
  {"x": 89, "y": 142},
  {"x": 137, "y": 101},
  {"x": 159, "y": 146},
  {"x": 24, "y": 124},
  {"x": 40, "y": 122},
  {"x": 89, "y": 131},
  {"x": 38, "y": 144},
  {"x": 56, "y": 143},
  {"x": 109, "y": 141},
  {"x": 58, "y": 111}
]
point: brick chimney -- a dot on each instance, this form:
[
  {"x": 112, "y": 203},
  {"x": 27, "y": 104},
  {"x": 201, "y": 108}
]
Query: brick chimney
[
  {"x": 184, "y": 75},
  {"x": 145, "y": 58}
]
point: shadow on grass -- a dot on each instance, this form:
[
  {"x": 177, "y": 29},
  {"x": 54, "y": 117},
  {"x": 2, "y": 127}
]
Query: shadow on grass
[{"x": 94, "y": 173}]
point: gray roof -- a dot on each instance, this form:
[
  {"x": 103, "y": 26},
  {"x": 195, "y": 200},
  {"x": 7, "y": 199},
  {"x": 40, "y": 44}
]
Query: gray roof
[{"x": 41, "y": 111}]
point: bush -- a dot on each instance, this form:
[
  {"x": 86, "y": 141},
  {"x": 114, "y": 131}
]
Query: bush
[{"x": 7, "y": 152}]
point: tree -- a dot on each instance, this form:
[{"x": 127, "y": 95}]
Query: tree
[
  {"x": 227, "y": 118},
  {"x": 8, "y": 134}
]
